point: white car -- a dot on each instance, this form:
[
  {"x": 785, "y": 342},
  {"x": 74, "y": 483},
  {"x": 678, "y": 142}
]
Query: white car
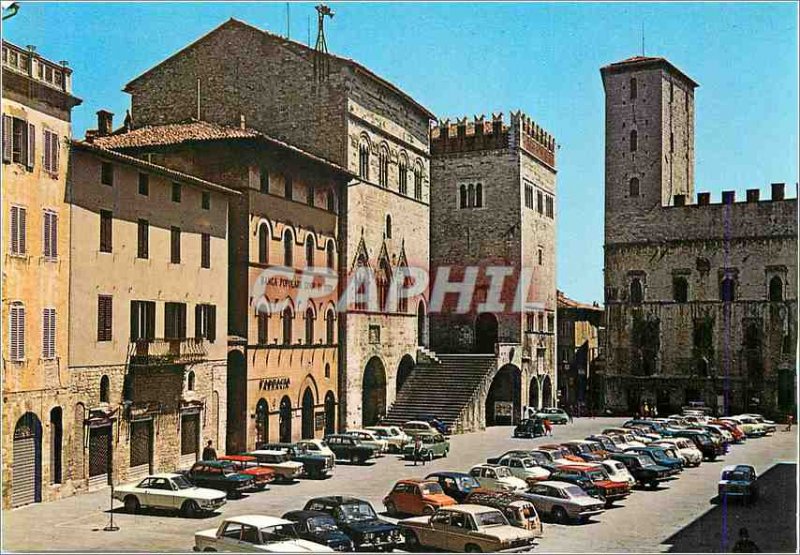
[
  {"x": 394, "y": 436},
  {"x": 691, "y": 455},
  {"x": 280, "y": 462},
  {"x": 169, "y": 491},
  {"x": 255, "y": 533},
  {"x": 524, "y": 468},
  {"x": 318, "y": 447},
  {"x": 370, "y": 439},
  {"x": 497, "y": 478},
  {"x": 618, "y": 472},
  {"x": 416, "y": 426},
  {"x": 768, "y": 424}
]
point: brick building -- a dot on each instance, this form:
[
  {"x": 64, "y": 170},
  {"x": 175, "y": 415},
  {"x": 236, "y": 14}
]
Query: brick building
[
  {"x": 342, "y": 112},
  {"x": 493, "y": 204},
  {"x": 578, "y": 349},
  {"x": 148, "y": 296},
  {"x": 37, "y": 105},
  {"x": 701, "y": 298},
  {"x": 283, "y": 363}
]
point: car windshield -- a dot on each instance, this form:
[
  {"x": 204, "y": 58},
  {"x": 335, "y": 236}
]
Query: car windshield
[
  {"x": 321, "y": 524},
  {"x": 353, "y": 512},
  {"x": 229, "y": 470},
  {"x": 584, "y": 448},
  {"x": 279, "y": 533},
  {"x": 311, "y": 446},
  {"x": 597, "y": 474},
  {"x": 528, "y": 463},
  {"x": 575, "y": 491},
  {"x": 490, "y": 518},
  {"x": 630, "y": 437},
  {"x": 617, "y": 440},
  {"x": 431, "y": 489},
  {"x": 502, "y": 472},
  {"x": 278, "y": 458},
  {"x": 735, "y": 475},
  {"x": 181, "y": 482},
  {"x": 468, "y": 482},
  {"x": 644, "y": 460}
]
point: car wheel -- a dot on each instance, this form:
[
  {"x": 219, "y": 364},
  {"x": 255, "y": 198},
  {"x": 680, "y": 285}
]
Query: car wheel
[
  {"x": 653, "y": 485},
  {"x": 472, "y": 548},
  {"x": 560, "y": 515},
  {"x": 430, "y": 456},
  {"x": 189, "y": 509},
  {"x": 444, "y": 455},
  {"x": 131, "y": 504},
  {"x": 427, "y": 510},
  {"x": 391, "y": 508}
]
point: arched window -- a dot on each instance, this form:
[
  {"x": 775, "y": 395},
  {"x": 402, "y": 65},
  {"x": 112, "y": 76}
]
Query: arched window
[
  {"x": 775, "y": 289},
  {"x": 384, "y": 278},
  {"x": 418, "y": 182},
  {"x": 331, "y": 201},
  {"x": 727, "y": 290},
  {"x": 634, "y": 140},
  {"x": 56, "y": 441},
  {"x": 104, "y": 387},
  {"x": 286, "y": 320},
  {"x": 263, "y": 243},
  {"x": 470, "y": 195},
  {"x": 637, "y": 293},
  {"x": 462, "y": 196},
  {"x": 633, "y": 187},
  {"x": 383, "y": 166},
  {"x": 330, "y": 328},
  {"x": 388, "y": 226},
  {"x": 288, "y": 247},
  {"x": 540, "y": 256},
  {"x": 479, "y": 195},
  {"x": 634, "y": 90},
  {"x": 402, "y": 298},
  {"x": 363, "y": 158},
  {"x": 330, "y": 255},
  {"x": 402, "y": 175},
  {"x": 327, "y": 369},
  {"x": 309, "y": 326},
  {"x": 309, "y": 250},
  {"x": 680, "y": 289},
  {"x": 262, "y": 319},
  {"x": 190, "y": 381}
]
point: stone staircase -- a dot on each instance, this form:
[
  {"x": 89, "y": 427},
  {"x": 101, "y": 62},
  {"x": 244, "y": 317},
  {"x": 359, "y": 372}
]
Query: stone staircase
[{"x": 441, "y": 386}]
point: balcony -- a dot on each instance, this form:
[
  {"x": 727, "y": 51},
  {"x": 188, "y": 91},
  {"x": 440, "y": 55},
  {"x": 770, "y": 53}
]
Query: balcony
[{"x": 165, "y": 352}]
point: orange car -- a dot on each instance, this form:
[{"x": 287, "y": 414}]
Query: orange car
[
  {"x": 245, "y": 464},
  {"x": 560, "y": 452},
  {"x": 416, "y": 497}
]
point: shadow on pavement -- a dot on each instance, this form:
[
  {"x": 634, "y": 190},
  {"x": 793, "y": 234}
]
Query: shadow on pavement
[
  {"x": 148, "y": 511},
  {"x": 770, "y": 520}
]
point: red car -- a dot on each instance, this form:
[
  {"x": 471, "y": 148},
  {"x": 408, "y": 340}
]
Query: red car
[
  {"x": 736, "y": 431},
  {"x": 245, "y": 464},
  {"x": 611, "y": 491}
]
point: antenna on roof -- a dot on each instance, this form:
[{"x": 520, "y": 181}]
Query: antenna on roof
[{"x": 321, "y": 60}]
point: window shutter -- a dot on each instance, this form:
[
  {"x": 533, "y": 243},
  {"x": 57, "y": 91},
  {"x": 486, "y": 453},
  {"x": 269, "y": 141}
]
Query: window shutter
[
  {"x": 46, "y": 233},
  {"x": 135, "y": 321},
  {"x": 14, "y": 229},
  {"x": 22, "y": 231},
  {"x": 150, "y": 332},
  {"x": 211, "y": 323},
  {"x": 31, "y": 150},
  {"x": 169, "y": 320},
  {"x": 8, "y": 138},
  {"x": 52, "y": 332},
  {"x": 182, "y": 321},
  {"x": 46, "y": 150},
  {"x": 54, "y": 236},
  {"x": 198, "y": 321},
  {"x": 54, "y": 148}
]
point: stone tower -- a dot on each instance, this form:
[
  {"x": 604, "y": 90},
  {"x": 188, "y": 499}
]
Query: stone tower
[{"x": 649, "y": 140}]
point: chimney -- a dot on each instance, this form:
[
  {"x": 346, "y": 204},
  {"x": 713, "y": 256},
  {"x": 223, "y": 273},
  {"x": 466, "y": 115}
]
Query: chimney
[
  {"x": 679, "y": 200},
  {"x": 105, "y": 122},
  {"x": 703, "y": 199},
  {"x": 728, "y": 197},
  {"x": 752, "y": 195},
  {"x": 778, "y": 191}
]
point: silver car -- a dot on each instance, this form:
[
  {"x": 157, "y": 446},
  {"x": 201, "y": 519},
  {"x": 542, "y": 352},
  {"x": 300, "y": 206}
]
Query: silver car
[{"x": 563, "y": 502}]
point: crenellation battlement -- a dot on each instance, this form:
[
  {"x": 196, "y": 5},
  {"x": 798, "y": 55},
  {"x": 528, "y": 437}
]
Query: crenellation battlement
[{"x": 752, "y": 196}]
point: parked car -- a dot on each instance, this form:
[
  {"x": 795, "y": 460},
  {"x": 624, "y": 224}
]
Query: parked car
[
  {"x": 627, "y": 439},
  {"x": 394, "y": 436},
  {"x": 659, "y": 457},
  {"x": 563, "y": 502},
  {"x": 414, "y": 426},
  {"x": 687, "y": 451},
  {"x": 416, "y": 497},
  {"x": 702, "y": 441},
  {"x": 497, "y": 478},
  {"x": 457, "y": 485},
  {"x": 318, "y": 447},
  {"x": 433, "y": 445},
  {"x": 529, "y": 427},
  {"x": 245, "y": 464},
  {"x": 370, "y": 439},
  {"x": 439, "y": 426},
  {"x": 607, "y": 443},
  {"x": 519, "y": 511},
  {"x": 280, "y": 462},
  {"x": 750, "y": 426},
  {"x": 540, "y": 458},
  {"x": 169, "y": 491},
  {"x": 220, "y": 475},
  {"x": 350, "y": 448},
  {"x": 577, "y": 479},
  {"x": 560, "y": 453},
  {"x": 321, "y": 528},
  {"x": 554, "y": 415},
  {"x": 769, "y": 425},
  {"x": 360, "y": 522},
  {"x": 607, "y": 488},
  {"x": 582, "y": 450},
  {"x": 315, "y": 465},
  {"x": 618, "y": 472},
  {"x": 643, "y": 470},
  {"x": 735, "y": 430},
  {"x": 738, "y": 481},
  {"x": 467, "y": 528},
  {"x": 255, "y": 533},
  {"x": 524, "y": 467}
]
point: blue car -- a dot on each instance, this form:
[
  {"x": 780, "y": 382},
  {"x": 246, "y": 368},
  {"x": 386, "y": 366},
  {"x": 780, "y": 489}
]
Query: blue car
[
  {"x": 738, "y": 481},
  {"x": 319, "y": 527},
  {"x": 457, "y": 485}
]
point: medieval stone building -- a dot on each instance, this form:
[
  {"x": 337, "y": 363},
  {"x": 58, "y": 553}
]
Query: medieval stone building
[
  {"x": 701, "y": 297},
  {"x": 578, "y": 350}
]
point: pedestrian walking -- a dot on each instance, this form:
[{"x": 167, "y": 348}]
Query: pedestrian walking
[
  {"x": 789, "y": 420},
  {"x": 570, "y": 417},
  {"x": 548, "y": 429},
  {"x": 745, "y": 544},
  {"x": 418, "y": 450},
  {"x": 209, "y": 453}
]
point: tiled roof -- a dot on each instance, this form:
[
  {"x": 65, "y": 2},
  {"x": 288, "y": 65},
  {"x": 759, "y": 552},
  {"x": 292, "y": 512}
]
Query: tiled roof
[
  {"x": 199, "y": 131},
  {"x": 149, "y": 166},
  {"x": 644, "y": 62},
  {"x": 637, "y": 59},
  {"x": 562, "y": 301}
]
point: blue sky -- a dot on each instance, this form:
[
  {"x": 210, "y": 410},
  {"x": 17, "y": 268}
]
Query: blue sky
[{"x": 464, "y": 59}]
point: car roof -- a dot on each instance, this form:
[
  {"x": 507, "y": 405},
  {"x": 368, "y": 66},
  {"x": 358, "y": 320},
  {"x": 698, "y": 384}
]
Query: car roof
[
  {"x": 267, "y": 452},
  {"x": 214, "y": 464},
  {"x": 337, "y": 500},
  {"x": 469, "y": 508},
  {"x": 259, "y": 521},
  {"x": 304, "y": 514},
  {"x": 554, "y": 483},
  {"x": 447, "y": 474},
  {"x": 486, "y": 465},
  {"x": 238, "y": 458},
  {"x": 413, "y": 481},
  {"x": 576, "y": 467},
  {"x": 735, "y": 467},
  {"x": 162, "y": 475}
]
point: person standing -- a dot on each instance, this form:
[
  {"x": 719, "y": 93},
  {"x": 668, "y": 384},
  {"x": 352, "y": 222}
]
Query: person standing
[
  {"x": 548, "y": 429},
  {"x": 744, "y": 544},
  {"x": 569, "y": 414},
  {"x": 209, "y": 454},
  {"x": 418, "y": 450}
]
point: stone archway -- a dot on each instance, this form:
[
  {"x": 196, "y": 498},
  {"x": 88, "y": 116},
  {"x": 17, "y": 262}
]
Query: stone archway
[
  {"x": 373, "y": 392},
  {"x": 404, "y": 371},
  {"x": 236, "y": 427},
  {"x": 330, "y": 413},
  {"x": 503, "y": 402},
  {"x": 547, "y": 392},
  {"x": 533, "y": 393},
  {"x": 307, "y": 430},
  {"x": 485, "y": 332},
  {"x": 26, "y": 462},
  {"x": 285, "y": 420}
]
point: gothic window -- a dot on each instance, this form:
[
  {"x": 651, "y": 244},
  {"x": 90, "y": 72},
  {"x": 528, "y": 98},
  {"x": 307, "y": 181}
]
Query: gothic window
[
  {"x": 330, "y": 255},
  {"x": 727, "y": 290},
  {"x": 262, "y": 328},
  {"x": 263, "y": 243},
  {"x": 384, "y": 278},
  {"x": 634, "y": 88},
  {"x": 462, "y": 196},
  {"x": 540, "y": 256},
  {"x": 479, "y": 195},
  {"x": 636, "y": 293},
  {"x": 776, "y": 289},
  {"x": 633, "y": 187},
  {"x": 329, "y": 327},
  {"x": 309, "y": 326},
  {"x": 403, "y": 174},
  {"x": 363, "y": 158},
  {"x": 383, "y": 167},
  {"x": 309, "y": 251},
  {"x": 104, "y": 387},
  {"x": 634, "y": 141},
  {"x": 470, "y": 195},
  {"x": 288, "y": 246},
  {"x": 418, "y": 182},
  {"x": 680, "y": 289},
  {"x": 190, "y": 381},
  {"x": 287, "y": 325}
]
